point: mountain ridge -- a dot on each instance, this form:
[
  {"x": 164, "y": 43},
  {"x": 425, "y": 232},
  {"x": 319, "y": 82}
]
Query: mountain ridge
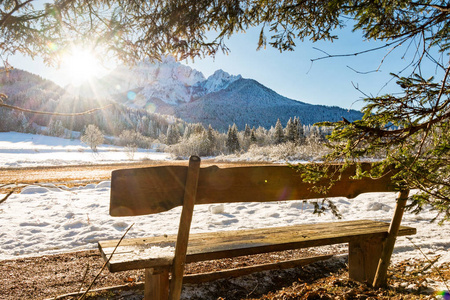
[{"x": 246, "y": 101}]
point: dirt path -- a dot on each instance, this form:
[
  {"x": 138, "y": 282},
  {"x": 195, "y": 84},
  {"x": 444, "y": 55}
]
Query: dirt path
[{"x": 66, "y": 173}]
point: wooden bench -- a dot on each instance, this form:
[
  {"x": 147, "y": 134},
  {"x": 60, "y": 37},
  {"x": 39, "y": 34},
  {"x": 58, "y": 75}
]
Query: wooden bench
[{"x": 158, "y": 189}]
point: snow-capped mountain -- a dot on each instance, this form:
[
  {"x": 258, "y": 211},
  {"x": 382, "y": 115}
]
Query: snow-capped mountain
[
  {"x": 218, "y": 81},
  {"x": 168, "y": 81},
  {"x": 163, "y": 83}
]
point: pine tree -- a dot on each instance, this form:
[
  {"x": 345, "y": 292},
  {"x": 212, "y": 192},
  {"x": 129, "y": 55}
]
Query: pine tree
[
  {"x": 278, "y": 134},
  {"x": 253, "y": 136},
  {"x": 211, "y": 141},
  {"x": 299, "y": 132},
  {"x": 173, "y": 135},
  {"x": 232, "y": 139},
  {"x": 291, "y": 131},
  {"x": 247, "y": 131}
]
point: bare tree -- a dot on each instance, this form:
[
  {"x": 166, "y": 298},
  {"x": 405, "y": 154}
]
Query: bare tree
[{"x": 92, "y": 137}]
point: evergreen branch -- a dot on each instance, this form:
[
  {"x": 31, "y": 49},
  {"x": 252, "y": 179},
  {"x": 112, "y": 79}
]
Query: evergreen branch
[
  {"x": 6, "y": 17},
  {"x": 379, "y": 132},
  {"x": 357, "y": 53},
  {"x": 441, "y": 8}
]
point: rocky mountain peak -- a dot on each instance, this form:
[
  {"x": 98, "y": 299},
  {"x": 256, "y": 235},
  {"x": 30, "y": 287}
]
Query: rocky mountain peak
[{"x": 218, "y": 81}]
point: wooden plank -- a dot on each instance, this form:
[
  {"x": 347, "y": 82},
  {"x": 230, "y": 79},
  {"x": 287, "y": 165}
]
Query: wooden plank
[
  {"x": 157, "y": 189},
  {"x": 388, "y": 247},
  {"x": 146, "y": 190},
  {"x": 156, "y": 285},
  {"x": 183, "y": 230},
  {"x": 211, "y": 276},
  {"x": 363, "y": 256},
  {"x": 225, "y": 244},
  {"x": 277, "y": 183}
]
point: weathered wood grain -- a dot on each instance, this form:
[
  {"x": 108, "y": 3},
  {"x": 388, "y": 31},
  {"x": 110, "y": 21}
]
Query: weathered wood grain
[
  {"x": 237, "y": 272},
  {"x": 190, "y": 193},
  {"x": 380, "y": 278},
  {"x": 153, "y": 190},
  {"x": 363, "y": 257},
  {"x": 156, "y": 284},
  {"x": 226, "y": 244}
]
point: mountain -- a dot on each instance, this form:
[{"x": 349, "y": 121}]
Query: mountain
[
  {"x": 246, "y": 101},
  {"x": 169, "y": 87}
]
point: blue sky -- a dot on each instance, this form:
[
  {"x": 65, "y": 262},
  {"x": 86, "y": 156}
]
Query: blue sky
[{"x": 291, "y": 74}]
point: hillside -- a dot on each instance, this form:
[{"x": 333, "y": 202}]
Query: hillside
[
  {"x": 29, "y": 91},
  {"x": 246, "y": 101}
]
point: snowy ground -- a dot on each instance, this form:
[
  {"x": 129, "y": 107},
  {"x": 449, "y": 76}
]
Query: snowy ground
[
  {"x": 43, "y": 220},
  {"x": 31, "y": 150}
]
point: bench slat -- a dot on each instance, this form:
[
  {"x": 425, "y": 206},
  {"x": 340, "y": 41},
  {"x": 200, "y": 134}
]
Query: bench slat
[
  {"x": 206, "y": 246},
  {"x": 237, "y": 272},
  {"x": 157, "y": 189}
]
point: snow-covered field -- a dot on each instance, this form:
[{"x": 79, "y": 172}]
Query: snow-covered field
[
  {"x": 31, "y": 150},
  {"x": 43, "y": 220}
]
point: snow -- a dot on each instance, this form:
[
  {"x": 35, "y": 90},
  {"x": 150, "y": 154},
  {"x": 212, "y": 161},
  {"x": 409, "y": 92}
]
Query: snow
[
  {"x": 218, "y": 81},
  {"x": 31, "y": 150},
  {"x": 48, "y": 219},
  {"x": 168, "y": 81}
]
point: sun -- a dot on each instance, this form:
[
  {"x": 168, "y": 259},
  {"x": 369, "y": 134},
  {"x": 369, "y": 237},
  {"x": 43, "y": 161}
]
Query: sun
[{"x": 81, "y": 65}]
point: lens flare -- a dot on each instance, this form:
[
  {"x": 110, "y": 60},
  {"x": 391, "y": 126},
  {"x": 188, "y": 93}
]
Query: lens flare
[
  {"x": 445, "y": 295},
  {"x": 131, "y": 95},
  {"x": 150, "y": 107}
]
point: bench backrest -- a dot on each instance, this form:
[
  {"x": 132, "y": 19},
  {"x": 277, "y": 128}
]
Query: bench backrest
[{"x": 157, "y": 189}]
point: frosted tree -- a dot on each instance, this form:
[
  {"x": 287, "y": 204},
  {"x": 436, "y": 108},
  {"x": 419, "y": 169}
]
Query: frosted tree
[
  {"x": 55, "y": 128},
  {"x": 253, "y": 138},
  {"x": 173, "y": 134},
  {"x": 300, "y": 132},
  {"x": 211, "y": 141},
  {"x": 92, "y": 137},
  {"x": 278, "y": 133},
  {"x": 232, "y": 139},
  {"x": 187, "y": 132},
  {"x": 291, "y": 131}
]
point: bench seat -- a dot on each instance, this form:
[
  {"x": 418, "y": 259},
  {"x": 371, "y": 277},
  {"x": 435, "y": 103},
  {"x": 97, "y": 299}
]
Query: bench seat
[{"x": 158, "y": 252}]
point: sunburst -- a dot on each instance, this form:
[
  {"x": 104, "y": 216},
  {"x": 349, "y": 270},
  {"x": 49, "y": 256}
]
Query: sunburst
[{"x": 81, "y": 65}]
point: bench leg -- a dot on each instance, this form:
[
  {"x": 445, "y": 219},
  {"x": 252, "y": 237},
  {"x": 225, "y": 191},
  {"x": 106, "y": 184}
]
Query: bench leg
[
  {"x": 363, "y": 257},
  {"x": 156, "y": 285}
]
